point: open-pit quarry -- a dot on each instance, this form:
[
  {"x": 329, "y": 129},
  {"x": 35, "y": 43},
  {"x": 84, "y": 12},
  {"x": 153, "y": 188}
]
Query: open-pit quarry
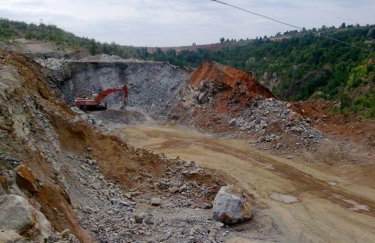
[{"x": 151, "y": 172}]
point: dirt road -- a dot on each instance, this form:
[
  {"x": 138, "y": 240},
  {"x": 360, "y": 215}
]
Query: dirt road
[{"x": 310, "y": 202}]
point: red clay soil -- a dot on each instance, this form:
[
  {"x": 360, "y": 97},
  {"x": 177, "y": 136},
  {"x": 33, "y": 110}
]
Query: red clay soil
[
  {"x": 230, "y": 91},
  {"x": 344, "y": 126},
  {"x": 229, "y": 76}
]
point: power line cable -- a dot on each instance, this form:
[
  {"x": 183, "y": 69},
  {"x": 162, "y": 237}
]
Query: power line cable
[{"x": 287, "y": 24}]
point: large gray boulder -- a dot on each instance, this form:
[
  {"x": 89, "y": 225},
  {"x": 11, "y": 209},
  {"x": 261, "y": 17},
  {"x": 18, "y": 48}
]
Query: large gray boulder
[
  {"x": 230, "y": 207},
  {"x": 16, "y": 213}
]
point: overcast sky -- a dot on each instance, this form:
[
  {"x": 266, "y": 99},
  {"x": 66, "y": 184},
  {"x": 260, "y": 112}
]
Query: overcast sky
[{"x": 183, "y": 22}]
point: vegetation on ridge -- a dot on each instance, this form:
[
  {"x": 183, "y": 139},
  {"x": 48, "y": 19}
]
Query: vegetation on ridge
[
  {"x": 296, "y": 65},
  {"x": 303, "y": 65}
]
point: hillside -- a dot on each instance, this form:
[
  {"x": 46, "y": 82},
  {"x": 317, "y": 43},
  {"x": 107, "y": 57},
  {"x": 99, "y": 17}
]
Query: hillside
[
  {"x": 304, "y": 65},
  {"x": 11, "y": 30},
  {"x": 294, "y": 66}
]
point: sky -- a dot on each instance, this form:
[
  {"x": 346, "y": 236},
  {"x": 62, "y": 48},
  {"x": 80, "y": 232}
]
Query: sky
[{"x": 166, "y": 23}]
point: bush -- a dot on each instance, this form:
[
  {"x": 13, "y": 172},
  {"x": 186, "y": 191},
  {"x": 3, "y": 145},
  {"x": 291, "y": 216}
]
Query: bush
[{"x": 345, "y": 101}]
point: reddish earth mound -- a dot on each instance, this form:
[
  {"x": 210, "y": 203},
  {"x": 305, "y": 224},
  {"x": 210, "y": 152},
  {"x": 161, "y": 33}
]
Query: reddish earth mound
[
  {"x": 220, "y": 94},
  {"x": 229, "y": 76}
]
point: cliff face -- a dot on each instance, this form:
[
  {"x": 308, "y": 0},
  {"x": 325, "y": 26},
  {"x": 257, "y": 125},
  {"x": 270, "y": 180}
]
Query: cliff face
[{"x": 153, "y": 86}]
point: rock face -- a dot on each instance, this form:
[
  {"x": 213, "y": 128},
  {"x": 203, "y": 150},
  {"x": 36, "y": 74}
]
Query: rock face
[
  {"x": 153, "y": 86},
  {"x": 230, "y": 207}
]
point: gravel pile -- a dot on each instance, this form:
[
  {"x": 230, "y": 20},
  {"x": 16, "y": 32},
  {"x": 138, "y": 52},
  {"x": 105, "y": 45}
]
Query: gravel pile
[{"x": 273, "y": 120}]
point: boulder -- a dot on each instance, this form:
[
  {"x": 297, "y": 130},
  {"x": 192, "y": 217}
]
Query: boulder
[
  {"x": 155, "y": 201},
  {"x": 19, "y": 216},
  {"x": 174, "y": 189},
  {"x": 138, "y": 217},
  {"x": 149, "y": 219},
  {"x": 16, "y": 214},
  {"x": 233, "y": 122},
  {"x": 263, "y": 124},
  {"x": 230, "y": 207}
]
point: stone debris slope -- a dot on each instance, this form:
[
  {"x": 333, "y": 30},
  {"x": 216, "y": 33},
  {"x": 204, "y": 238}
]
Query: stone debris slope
[
  {"x": 274, "y": 122},
  {"x": 29, "y": 165},
  {"x": 71, "y": 183}
]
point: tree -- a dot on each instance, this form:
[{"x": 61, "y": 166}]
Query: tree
[
  {"x": 371, "y": 33},
  {"x": 93, "y": 47},
  {"x": 222, "y": 40}
]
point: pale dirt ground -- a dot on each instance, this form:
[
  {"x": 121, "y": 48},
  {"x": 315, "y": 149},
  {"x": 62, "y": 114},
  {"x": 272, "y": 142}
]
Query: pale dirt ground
[{"x": 309, "y": 202}]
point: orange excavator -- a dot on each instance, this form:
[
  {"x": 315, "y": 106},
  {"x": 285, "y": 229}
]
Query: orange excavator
[{"x": 94, "y": 103}]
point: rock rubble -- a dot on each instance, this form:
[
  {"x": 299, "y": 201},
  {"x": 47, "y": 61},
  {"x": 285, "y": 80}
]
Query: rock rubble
[
  {"x": 272, "y": 121},
  {"x": 157, "y": 210}
]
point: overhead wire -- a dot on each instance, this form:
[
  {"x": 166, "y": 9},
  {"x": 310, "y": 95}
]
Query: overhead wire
[{"x": 288, "y": 24}]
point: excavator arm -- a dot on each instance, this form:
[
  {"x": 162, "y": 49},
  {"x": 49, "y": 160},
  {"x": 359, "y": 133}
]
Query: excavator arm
[{"x": 104, "y": 94}]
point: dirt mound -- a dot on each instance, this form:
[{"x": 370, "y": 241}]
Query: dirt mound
[{"x": 229, "y": 76}]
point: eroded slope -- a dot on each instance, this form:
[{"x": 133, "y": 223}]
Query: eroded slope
[{"x": 92, "y": 184}]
